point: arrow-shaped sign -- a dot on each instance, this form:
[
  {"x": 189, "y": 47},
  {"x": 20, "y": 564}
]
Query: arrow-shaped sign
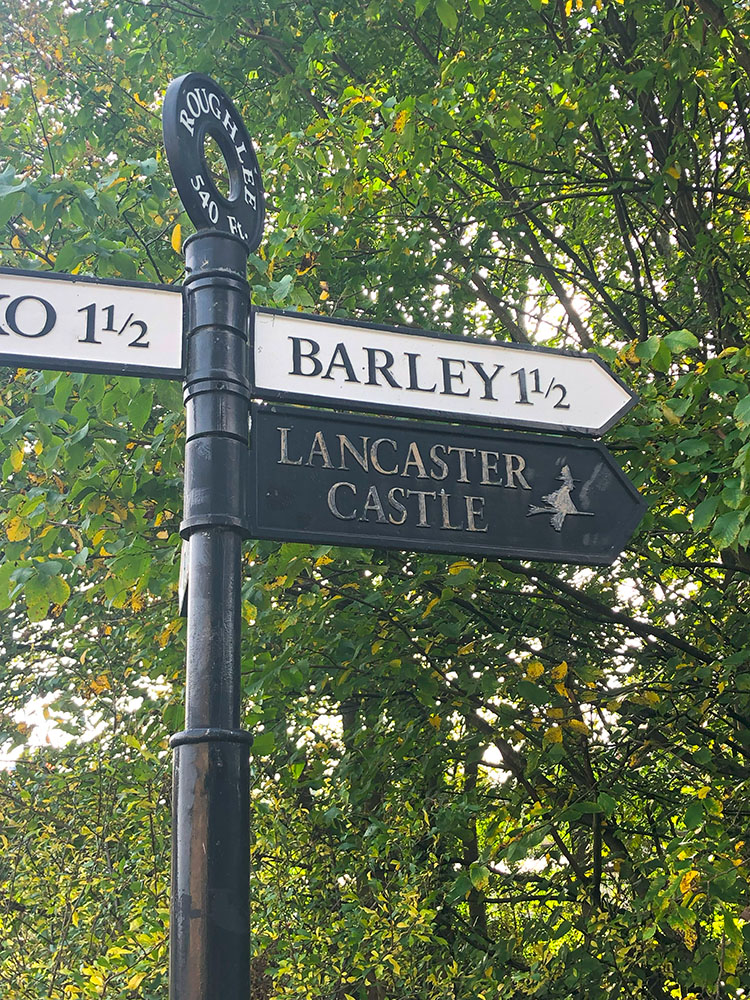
[
  {"x": 369, "y": 481},
  {"x": 50, "y": 320},
  {"x": 299, "y": 358}
]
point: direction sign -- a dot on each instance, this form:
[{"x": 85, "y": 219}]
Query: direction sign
[
  {"x": 323, "y": 477},
  {"x": 50, "y": 320},
  {"x": 299, "y": 358}
]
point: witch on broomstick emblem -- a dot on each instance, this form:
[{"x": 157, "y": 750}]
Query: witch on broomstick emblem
[{"x": 560, "y": 502}]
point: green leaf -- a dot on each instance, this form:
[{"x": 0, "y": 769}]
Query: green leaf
[
  {"x": 662, "y": 359},
  {"x": 533, "y": 693},
  {"x": 607, "y": 803},
  {"x": 282, "y": 287},
  {"x": 647, "y": 350},
  {"x": 681, "y": 340},
  {"x": 694, "y": 815},
  {"x": 6, "y": 585},
  {"x": 447, "y": 14},
  {"x": 704, "y": 513},
  {"x": 727, "y": 527},
  {"x": 742, "y": 412},
  {"x": 480, "y": 876},
  {"x": 140, "y": 408},
  {"x": 41, "y": 591},
  {"x": 263, "y": 744}
]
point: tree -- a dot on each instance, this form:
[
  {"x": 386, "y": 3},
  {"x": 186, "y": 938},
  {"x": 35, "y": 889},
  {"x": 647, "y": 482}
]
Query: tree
[{"x": 471, "y": 778}]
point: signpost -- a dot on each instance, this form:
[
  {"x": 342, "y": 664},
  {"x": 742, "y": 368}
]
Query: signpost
[
  {"x": 50, "y": 320},
  {"x": 310, "y": 359},
  {"x": 210, "y": 909},
  {"x": 369, "y": 481},
  {"x": 310, "y": 475}
]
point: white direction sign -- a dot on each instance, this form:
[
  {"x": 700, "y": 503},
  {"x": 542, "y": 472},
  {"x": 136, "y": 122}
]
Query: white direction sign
[
  {"x": 50, "y": 320},
  {"x": 299, "y": 358}
]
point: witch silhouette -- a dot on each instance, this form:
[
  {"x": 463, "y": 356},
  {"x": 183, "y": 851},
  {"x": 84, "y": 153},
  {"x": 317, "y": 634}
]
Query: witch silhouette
[{"x": 560, "y": 502}]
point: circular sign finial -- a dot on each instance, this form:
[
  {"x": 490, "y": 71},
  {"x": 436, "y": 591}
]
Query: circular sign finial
[{"x": 196, "y": 111}]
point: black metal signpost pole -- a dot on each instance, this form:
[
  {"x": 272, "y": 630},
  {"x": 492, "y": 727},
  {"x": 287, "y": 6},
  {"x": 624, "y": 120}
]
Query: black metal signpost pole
[
  {"x": 209, "y": 955},
  {"x": 210, "y": 925}
]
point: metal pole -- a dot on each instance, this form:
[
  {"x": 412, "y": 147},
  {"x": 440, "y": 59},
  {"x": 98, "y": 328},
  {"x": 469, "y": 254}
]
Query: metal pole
[{"x": 209, "y": 929}]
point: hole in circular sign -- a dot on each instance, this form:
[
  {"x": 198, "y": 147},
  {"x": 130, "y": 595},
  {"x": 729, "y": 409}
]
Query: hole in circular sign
[{"x": 216, "y": 164}]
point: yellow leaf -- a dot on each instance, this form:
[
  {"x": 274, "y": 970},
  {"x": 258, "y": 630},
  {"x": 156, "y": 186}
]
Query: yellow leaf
[
  {"x": 16, "y": 457},
  {"x": 430, "y": 606},
  {"x": 456, "y": 567},
  {"x": 16, "y": 242},
  {"x": 674, "y": 171},
  {"x": 687, "y": 881},
  {"x": 578, "y": 727},
  {"x": 723, "y": 105},
  {"x": 670, "y": 414},
  {"x": 23, "y": 728},
  {"x": 434, "y": 720},
  {"x": 135, "y": 981},
  {"x": 400, "y": 121},
  {"x": 703, "y": 792},
  {"x": 556, "y": 713},
  {"x": 323, "y": 561},
  {"x": 177, "y": 238},
  {"x": 468, "y": 648},
  {"x": 17, "y": 529},
  {"x": 553, "y": 735},
  {"x": 324, "y": 295},
  {"x": 568, "y": 8},
  {"x": 559, "y": 672},
  {"x": 629, "y": 354},
  {"x": 535, "y": 669},
  {"x": 40, "y": 90}
]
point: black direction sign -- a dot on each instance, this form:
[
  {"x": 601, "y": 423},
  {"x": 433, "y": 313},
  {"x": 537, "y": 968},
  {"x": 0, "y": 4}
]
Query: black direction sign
[{"x": 376, "y": 482}]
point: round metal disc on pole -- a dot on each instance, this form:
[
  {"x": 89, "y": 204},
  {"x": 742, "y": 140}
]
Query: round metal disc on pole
[{"x": 196, "y": 114}]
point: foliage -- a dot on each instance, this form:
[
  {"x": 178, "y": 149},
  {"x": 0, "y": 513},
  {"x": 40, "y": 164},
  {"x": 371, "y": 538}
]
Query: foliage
[{"x": 472, "y": 779}]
